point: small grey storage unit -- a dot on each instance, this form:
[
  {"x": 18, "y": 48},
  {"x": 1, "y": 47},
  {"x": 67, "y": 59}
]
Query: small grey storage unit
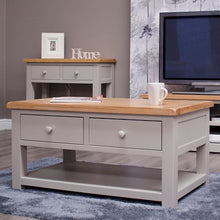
[{"x": 70, "y": 71}]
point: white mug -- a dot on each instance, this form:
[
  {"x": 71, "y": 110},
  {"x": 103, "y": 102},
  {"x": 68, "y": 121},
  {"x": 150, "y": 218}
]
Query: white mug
[{"x": 156, "y": 93}]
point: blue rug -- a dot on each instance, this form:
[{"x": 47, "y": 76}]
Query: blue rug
[{"x": 203, "y": 203}]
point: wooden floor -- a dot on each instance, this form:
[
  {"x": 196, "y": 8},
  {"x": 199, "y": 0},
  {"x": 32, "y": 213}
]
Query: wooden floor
[{"x": 186, "y": 161}]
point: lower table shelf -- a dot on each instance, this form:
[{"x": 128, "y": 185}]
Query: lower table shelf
[{"x": 113, "y": 180}]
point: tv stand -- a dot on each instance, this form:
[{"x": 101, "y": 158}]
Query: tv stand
[
  {"x": 211, "y": 92},
  {"x": 208, "y": 87}
]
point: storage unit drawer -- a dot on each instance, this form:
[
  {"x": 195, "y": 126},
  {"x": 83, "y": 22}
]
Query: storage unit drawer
[
  {"x": 78, "y": 72},
  {"x": 125, "y": 133},
  {"x": 52, "y": 129},
  {"x": 45, "y": 72}
]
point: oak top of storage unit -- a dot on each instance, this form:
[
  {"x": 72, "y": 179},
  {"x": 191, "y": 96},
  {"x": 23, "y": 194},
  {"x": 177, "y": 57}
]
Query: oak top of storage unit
[
  {"x": 38, "y": 60},
  {"x": 188, "y": 97},
  {"x": 115, "y": 106}
]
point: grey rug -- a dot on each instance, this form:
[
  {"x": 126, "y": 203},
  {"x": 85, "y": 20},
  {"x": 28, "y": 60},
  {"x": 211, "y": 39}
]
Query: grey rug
[{"x": 203, "y": 203}]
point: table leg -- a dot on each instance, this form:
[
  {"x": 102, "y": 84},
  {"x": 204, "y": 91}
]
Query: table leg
[
  {"x": 19, "y": 153},
  {"x": 19, "y": 165},
  {"x": 96, "y": 89},
  {"x": 30, "y": 91},
  {"x": 202, "y": 160},
  {"x": 44, "y": 90},
  {"x": 30, "y": 87},
  {"x": 69, "y": 156},
  {"x": 109, "y": 90},
  {"x": 169, "y": 166},
  {"x": 202, "y": 154}
]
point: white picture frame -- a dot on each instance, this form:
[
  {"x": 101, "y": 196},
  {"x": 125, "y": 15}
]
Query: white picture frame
[{"x": 52, "y": 45}]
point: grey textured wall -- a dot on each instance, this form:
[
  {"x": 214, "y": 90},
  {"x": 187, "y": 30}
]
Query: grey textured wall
[
  {"x": 2, "y": 58},
  {"x": 94, "y": 25}
]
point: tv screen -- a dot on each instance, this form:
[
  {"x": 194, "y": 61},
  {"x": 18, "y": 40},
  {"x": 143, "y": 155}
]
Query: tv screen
[{"x": 189, "y": 47}]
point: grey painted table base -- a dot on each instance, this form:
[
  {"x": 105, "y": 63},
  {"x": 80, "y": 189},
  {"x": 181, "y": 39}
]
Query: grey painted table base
[{"x": 166, "y": 137}]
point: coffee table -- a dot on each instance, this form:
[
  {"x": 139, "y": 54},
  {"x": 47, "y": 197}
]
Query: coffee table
[{"x": 120, "y": 126}]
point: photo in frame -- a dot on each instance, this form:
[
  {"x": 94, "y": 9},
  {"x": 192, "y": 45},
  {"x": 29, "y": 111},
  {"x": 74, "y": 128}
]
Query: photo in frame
[{"x": 52, "y": 45}]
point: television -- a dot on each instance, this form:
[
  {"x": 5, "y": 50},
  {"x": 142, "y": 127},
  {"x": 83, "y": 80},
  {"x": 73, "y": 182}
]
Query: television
[{"x": 189, "y": 48}]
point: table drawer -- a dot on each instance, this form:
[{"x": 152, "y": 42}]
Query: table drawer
[
  {"x": 52, "y": 129},
  {"x": 78, "y": 72},
  {"x": 45, "y": 72},
  {"x": 125, "y": 133}
]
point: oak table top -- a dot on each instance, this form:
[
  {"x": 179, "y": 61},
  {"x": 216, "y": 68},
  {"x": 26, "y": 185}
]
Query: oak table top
[
  {"x": 188, "y": 97},
  {"x": 116, "y": 106},
  {"x": 39, "y": 60}
]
